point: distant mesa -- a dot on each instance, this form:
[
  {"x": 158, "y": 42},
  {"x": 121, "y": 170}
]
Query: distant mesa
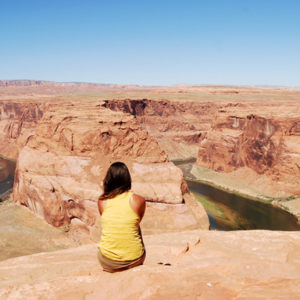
[{"x": 26, "y": 82}]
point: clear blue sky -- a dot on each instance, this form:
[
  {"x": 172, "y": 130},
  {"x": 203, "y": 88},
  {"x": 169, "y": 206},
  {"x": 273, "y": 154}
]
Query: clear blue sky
[{"x": 152, "y": 42}]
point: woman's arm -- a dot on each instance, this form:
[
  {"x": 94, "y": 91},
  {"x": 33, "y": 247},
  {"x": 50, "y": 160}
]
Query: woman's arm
[
  {"x": 138, "y": 204},
  {"x": 101, "y": 205}
]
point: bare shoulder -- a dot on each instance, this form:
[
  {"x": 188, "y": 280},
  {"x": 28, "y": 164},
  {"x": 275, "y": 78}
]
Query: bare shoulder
[
  {"x": 139, "y": 199},
  {"x": 138, "y": 204}
]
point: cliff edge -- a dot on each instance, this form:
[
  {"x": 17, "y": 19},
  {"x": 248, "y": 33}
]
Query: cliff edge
[{"x": 187, "y": 265}]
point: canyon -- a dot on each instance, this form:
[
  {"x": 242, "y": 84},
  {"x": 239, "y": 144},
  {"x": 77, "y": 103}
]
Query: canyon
[
  {"x": 249, "y": 134},
  {"x": 256, "y": 143},
  {"x": 61, "y": 166},
  {"x": 65, "y": 136},
  {"x": 63, "y": 153}
]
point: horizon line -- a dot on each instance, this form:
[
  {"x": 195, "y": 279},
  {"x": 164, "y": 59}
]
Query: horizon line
[{"x": 174, "y": 85}]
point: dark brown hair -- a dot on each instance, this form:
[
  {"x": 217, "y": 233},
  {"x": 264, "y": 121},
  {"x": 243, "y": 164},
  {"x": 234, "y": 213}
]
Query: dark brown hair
[{"x": 117, "y": 181}]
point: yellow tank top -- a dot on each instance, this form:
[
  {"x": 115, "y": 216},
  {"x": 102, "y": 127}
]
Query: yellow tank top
[{"x": 120, "y": 238}]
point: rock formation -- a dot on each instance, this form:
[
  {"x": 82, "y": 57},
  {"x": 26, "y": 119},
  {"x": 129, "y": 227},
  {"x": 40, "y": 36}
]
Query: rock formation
[
  {"x": 256, "y": 142},
  {"x": 187, "y": 265},
  {"x": 66, "y": 149},
  {"x": 177, "y": 126},
  {"x": 261, "y": 136},
  {"x": 17, "y": 122},
  {"x": 60, "y": 169},
  {"x": 265, "y": 142},
  {"x": 250, "y": 137}
]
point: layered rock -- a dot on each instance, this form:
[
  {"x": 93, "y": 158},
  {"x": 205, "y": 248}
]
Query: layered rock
[
  {"x": 60, "y": 169},
  {"x": 264, "y": 142},
  {"x": 257, "y": 142},
  {"x": 177, "y": 126},
  {"x": 17, "y": 122},
  {"x": 187, "y": 265}
]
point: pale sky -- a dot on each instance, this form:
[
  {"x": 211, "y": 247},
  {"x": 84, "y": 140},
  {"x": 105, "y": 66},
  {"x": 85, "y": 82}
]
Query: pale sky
[{"x": 241, "y": 42}]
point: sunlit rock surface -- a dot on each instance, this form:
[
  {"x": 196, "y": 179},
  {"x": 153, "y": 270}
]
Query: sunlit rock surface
[
  {"x": 61, "y": 167},
  {"x": 252, "y": 133},
  {"x": 185, "y": 265},
  {"x": 17, "y": 122},
  {"x": 266, "y": 141}
]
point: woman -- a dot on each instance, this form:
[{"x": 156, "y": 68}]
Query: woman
[{"x": 121, "y": 246}]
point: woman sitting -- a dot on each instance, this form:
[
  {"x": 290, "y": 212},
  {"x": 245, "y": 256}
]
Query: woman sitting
[{"x": 121, "y": 246}]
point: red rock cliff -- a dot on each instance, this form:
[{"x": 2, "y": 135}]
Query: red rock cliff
[
  {"x": 261, "y": 137},
  {"x": 17, "y": 122},
  {"x": 265, "y": 143},
  {"x": 60, "y": 168},
  {"x": 177, "y": 126}
]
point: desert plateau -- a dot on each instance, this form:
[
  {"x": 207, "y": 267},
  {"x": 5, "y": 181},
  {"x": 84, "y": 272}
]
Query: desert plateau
[{"x": 56, "y": 142}]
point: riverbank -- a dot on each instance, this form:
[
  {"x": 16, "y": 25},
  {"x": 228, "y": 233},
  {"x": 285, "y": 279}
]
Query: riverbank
[
  {"x": 229, "y": 183},
  {"x": 225, "y": 182},
  {"x": 228, "y": 211}
]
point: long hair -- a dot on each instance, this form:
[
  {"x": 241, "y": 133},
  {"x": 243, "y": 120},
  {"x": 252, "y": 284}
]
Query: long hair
[{"x": 117, "y": 181}]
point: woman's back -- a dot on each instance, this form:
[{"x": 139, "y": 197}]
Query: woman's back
[{"x": 121, "y": 239}]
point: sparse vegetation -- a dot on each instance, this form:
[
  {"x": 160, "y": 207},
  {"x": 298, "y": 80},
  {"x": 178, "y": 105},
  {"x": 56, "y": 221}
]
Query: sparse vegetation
[{"x": 209, "y": 206}]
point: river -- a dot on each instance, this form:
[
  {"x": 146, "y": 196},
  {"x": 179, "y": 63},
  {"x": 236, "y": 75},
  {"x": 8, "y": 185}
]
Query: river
[
  {"x": 7, "y": 170},
  {"x": 226, "y": 211},
  {"x": 229, "y": 211}
]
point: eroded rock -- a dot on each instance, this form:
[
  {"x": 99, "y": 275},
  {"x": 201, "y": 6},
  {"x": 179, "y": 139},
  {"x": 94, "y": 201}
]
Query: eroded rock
[
  {"x": 61, "y": 167},
  {"x": 265, "y": 143},
  {"x": 17, "y": 123}
]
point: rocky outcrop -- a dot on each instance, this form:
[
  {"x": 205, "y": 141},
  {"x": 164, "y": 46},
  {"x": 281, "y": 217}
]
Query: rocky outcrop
[
  {"x": 226, "y": 137},
  {"x": 60, "y": 169},
  {"x": 66, "y": 155},
  {"x": 177, "y": 126},
  {"x": 17, "y": 122},
  {"x": 265, "y": 143},
  {"x": 187, "y": 265},
  {"x": 245, "y": 139},
  {"x": 256, "y": 142}
]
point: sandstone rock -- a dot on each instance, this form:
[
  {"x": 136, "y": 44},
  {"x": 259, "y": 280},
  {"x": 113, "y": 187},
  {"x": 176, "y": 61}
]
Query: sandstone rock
[
  {"x": 264, "y": 142},
  {"x": 161, "y": 217},
  {"x": 231, "y": 134},
  {"x": 17, "y": 122},
  {"x": 215, "y": 122},
  {"x": 147, "y": 182},
  {"x": 60, "y": 169},
  {"x": 186, "y": 265},
  {"x": 177, "y": 126}
]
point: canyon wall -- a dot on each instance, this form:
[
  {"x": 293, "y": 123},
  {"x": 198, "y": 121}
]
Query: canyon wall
[
  {"x": 250, "y": 140},
  {"x": 61, "y": 167},
  {"x": 254, "y": 142},
  {"x": 266, "y": 142},
  {"x": 247, "y": 139},
  {"x": 177, "y": 126},
  {"x": 17, "y": 122}
]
